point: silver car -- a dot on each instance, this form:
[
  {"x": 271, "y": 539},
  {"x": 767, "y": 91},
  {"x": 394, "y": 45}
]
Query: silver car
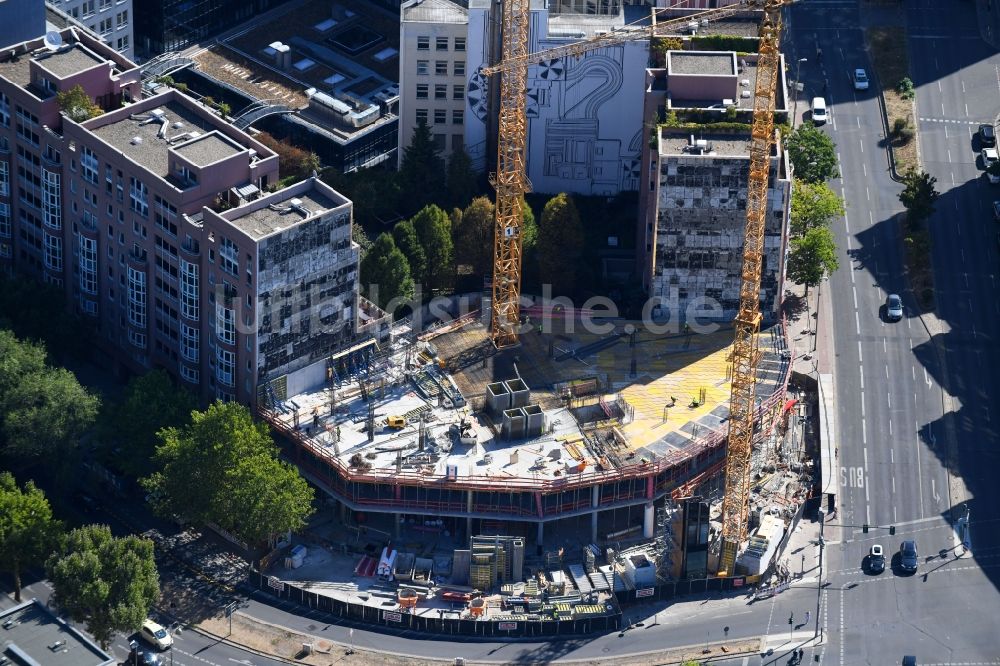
[{"x": 893, "y": 307}]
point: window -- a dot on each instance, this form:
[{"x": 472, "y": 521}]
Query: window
[
  {"x": 137, "y": 298},
  {"x": 229, "y": 257},
  {"x": 4, "y": 178},
  {"x": 88, "y": 265},
  {"x": 190, "y": 344},
  {"x": 51, "y": 199},
  {"x": 122, "y": 19},
  {"x": 87, "y": 8},
  {"x": 423, "y": 67},
  {"x": 458, "y": 92},
  {"x": 441, "y": 44},
  {"x": 5, "y": 228},
  {"x": 423, "y": 43},
  {"x": 122, "y": 44},
  {"x": 53, "y": 252},
  {"x": 105, "y": 4},
  {"x": 226, "y": 367},
  {"x": 457, "y": 116},
  {"x": 441, "y": 67},
  {"x": 225, "y": 324},
  {"x": 4, "y": 110},
  {"x": 139, "y": 195},
  {"x": 189, "y": 374},
  {"x": 88, "y": 165},
  {"x": 459, "y": 68},
  {"x": 440, "y": 116},
  {"x": 460, "y": 43},
  {"x": 440, "y": 92},
  {"x": 189, "y": 290},
  {"x": 422, "y": 90},
  {"x": 421, "y": 116},
  {"x": 105, "y": 27}
]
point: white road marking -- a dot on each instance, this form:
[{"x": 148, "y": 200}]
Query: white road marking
[
  {"x": 894, "y": 507},
  {"x": 939, "y": 85},
  {"x": 953, "y": 182},
  {"x": 859, "y": 122},
  {"x": 963, "y": 87},
  {"x": 864, "y": 169},
  {"x": 949, "y": 154},
  {"x": 862, "y": 144},
  {"x": 946, "y": 131},
  {"x": 884, "y": 349},
  {"x": 966, "y": 110},
  {"x": 887, "y": 395},
  {"x": 934, "y": 492},
  {"x": 942, "y": 109},
  {"x": 871, "y": 220},
  {"x": 892, "y": 457},
  {"x": 867, "y": 194},
  {"x": 860, "y": 357},
  {"x": 927, "y": 378},
  {"x": 861, "y": 375},
  {"x": 890, "y": 427},
  {"x": 894, "y": 490},
  {"x": 913, "y": 371},
  {"x": 847, "y": 225},
  {"x": 864, "y": 428},
  {"x": 855, "y": 290},
  {"x": 857, "y": 323}
]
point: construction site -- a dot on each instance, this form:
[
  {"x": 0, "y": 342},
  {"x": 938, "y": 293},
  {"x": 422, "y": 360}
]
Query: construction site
[{"x": 574, "y": 464}]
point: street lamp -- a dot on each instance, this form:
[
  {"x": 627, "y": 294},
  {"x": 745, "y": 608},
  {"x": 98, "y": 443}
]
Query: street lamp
[{"x": 795, "y": 104}]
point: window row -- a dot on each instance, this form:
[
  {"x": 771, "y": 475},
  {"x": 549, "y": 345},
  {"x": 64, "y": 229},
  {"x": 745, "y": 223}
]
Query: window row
[
  {"x": 440, "y": 43},
  {"x": 440, "y": 91},
  {"x": 441, "y": 116},
  {"x": 441, "y": 68}
]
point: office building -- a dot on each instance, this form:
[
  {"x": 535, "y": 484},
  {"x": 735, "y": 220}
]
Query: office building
[
  {"x": 110, "y": 19},
  {"x": 21, "y": 20}
]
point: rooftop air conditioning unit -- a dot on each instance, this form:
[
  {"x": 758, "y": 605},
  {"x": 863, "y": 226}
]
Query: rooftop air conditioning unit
[
  {"x": 136, "y": 140},
  {"x": 157, "y": 113},
  {"x": 692, "y": 27},
  {"x": 295, "y": 202}
]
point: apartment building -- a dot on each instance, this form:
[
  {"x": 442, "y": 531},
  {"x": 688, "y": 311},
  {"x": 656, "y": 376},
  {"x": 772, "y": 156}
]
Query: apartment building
[
  {"x": 432, "y": 72},
  {"x": 154, "y": 219},
  {"x": 112, "y": 20}
]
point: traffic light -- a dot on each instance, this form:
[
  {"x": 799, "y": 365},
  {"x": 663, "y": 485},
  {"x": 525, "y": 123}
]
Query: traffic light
[
  {"x": 892, "y": 530},
  {"x": 864, "y": 528}
]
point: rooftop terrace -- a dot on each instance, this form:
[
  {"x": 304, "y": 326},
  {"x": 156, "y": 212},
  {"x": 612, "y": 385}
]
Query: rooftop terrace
[
  {"x": 674, "y": 142},
  {"x": 701, "y": 63},
  {"x": 69, "y": 60},
  {"x": 258, "y": 219}
]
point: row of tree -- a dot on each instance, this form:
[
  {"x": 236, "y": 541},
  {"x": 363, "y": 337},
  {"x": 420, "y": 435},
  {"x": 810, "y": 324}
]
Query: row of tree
[
  {"x": 106, "y": 582},
  {"x": 433, "y": 247}
]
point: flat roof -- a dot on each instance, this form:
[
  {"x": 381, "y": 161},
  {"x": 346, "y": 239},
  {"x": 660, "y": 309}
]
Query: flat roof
[
  {"x": 260, "y": 221},
  {"x": 152, "y": 152},
  {"x": 69, "y": 61},
  {"x": 701, "y": 63},
  {"x": 208, "y": 149},
  {"x": 720, "y": 145},
  {"x": 30, "y": 631}
]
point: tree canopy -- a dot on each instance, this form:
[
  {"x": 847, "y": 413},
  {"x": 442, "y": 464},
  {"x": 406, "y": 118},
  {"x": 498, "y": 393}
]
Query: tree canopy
[
  {"x": 77, "y": 104},
  {"x": 420, "y": 172},
  {"x": 130, "y": 426},
  {"x": 560, "y": 241},
  {"x": 919, "y": 195},
  {"x": 433, "y": 227},
  {"x": 28, "y": 532},
  {"x": 461, "y": 179},
  {"x": 385, "y": 272},
  {"x": 224, "y": 469},
  {"x": 107, "y": 583},
  {"x": 813, "y": 255},
  {"x": 813, "y": 154},
  {"x": 813, "y": 205},
  {"x": 474, "y": 238},
  {"x": 43, "y": 410},
  {"x": 408, "y": 242}
]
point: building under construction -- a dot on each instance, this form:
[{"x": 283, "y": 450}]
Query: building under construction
[{"x": 568, "y": 437}]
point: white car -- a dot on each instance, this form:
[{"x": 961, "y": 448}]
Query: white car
[
  {"x": 860, "y": 79},
  {"x": 989, "y": 157},
  {"x": 155, "y": 634}
]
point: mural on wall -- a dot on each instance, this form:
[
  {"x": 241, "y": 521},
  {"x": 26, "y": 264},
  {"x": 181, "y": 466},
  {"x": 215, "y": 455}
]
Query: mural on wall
[{"x": 584, "y": 114}]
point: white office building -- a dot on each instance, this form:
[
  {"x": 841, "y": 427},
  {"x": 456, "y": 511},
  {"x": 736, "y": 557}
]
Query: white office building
[{"x": 111, "y": 20}]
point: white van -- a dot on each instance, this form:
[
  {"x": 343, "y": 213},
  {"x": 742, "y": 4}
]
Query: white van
[{"x": 819, "y": 111}]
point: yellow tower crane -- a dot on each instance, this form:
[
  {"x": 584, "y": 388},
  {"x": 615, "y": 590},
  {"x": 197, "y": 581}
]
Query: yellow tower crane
[{"x": 511, "y": 183}]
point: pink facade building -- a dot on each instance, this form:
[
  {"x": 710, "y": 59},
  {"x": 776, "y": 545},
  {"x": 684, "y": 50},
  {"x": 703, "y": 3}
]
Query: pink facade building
[{"x": 154, "y": 217}]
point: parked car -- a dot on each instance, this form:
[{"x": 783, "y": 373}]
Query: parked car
[
  {"x": 154, "y": 634},
  {"x": 860, "y": 79},
  {"x": 893, "y": 307},
  {"x": 987, "y": 136},
  {"x": 876, "y": 559},
  {"x": 989, "y": 157},
  {"x": 819, "y": 111},
  {"x": 908, "y": 556}
]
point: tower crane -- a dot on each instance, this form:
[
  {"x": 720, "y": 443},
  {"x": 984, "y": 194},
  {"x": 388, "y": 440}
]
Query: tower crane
[{"x": 511, "y": 183}]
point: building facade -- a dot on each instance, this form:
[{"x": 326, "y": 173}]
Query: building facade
[
  {"x": 432, "y": 72},
  {"x": 21, "y": 20},
  {"x": 153, "y": 219},
  {"x": 112, "y": 20}
]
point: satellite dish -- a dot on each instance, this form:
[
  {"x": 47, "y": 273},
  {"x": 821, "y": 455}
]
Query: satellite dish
[{"x": 53, "y": 40}]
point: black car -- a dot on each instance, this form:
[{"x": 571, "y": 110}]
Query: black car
[
  {"x": 987, "y": 136},
  {"x": 876, "y": 560},
  {"x": 146, "y": 658},
  {"x": 908, "y": 556}
]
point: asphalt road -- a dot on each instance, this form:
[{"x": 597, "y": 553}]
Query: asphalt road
[{"x": 894, "y": 429}]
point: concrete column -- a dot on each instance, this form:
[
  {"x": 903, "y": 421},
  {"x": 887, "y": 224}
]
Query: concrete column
[
  {"x": 397, "y": 518},
  {"x": 595, "y": 493},
  {"x": 540, "y": 537},
  {"x": 647, "y": 521},
  {"x": 468, "y": 521}
]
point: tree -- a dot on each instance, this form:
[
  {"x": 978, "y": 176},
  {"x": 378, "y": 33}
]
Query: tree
[
  {"x": 205, "y": 477},
  {"x": 374, "y": 193},
  {"x": 292, "y": 160},
  {"x": 813, "y": 255},
  {"x": 43, "y": 410},
  {"x": 76, "y": 104},
  {"x": 529, "y": 228},
  {"x": 36, "y": 311},
  {"x": 474, "y": 238},
  {"x": 918, "y": 195},
  {"x": 385, "y": 268},
  {"x": 310, "y": 164},
  {"x": 132, "y": 425},
  {"x": 560, "y": 241},
  {"x": 28, "y": 533},
  {"x": 461, "y": 179},
  {"x": 420, "y": 171},
  {"x": 105, "y": 582},
  {"x": 813, "y": 154},
  {"x": 409, "y": 244},
  {"x": 813, "y": 205},
  {"x": 433, "y": 227}
]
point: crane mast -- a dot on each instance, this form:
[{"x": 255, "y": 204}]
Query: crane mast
[{"x": 511, "y": 183}]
